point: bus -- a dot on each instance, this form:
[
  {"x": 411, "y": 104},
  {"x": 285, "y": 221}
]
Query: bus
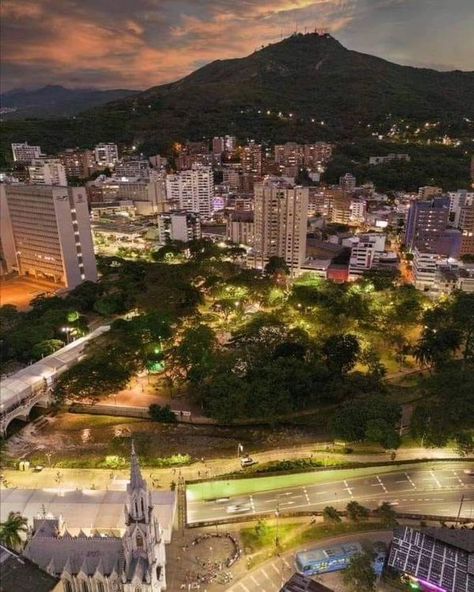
[{"x": 326, "y": 559}]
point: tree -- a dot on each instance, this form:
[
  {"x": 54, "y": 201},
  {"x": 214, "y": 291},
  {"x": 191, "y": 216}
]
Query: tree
[
  {"x": 387, "y": 515},
  {"x": 341, "y": 352},
  {"x": 276, "y": 266},
  {"x": 437, "y": 346},
  {"x": 162, "y": 414},
  {"x": 359, "y": 575},
  {"x": 331, "y": 515},
  {"x": 110, "y": 304},
  {"x": 356, "y": 511},
  {"x": 13, "y": 531},
  {"x": 46, "y": 348},
  {"x": 382, "y": 279},
  {"x": 195, "y": 352}
]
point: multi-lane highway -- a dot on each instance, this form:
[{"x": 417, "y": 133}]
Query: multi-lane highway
[{"x": 425, "y": 488}]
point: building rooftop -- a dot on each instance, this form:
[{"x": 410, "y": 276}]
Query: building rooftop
[
  {"x": 19, "y": 574},
  {"x": 462, "y": 538},
  {"x": 299, "y": 583}
]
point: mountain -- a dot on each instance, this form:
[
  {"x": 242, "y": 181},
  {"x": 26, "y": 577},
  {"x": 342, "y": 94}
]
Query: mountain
[
  {"x": 311, "y": 76},
  {"x": 55, "y": 101}
]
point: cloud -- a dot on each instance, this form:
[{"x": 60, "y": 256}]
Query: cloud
[{"x": 112, "y": 43}]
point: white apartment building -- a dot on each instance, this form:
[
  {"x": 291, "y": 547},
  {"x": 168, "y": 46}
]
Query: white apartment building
[
  {"x": 358, "y": 210},
  {"x": 47, "y": 171},
  {"x": 180, "y": 226},
  {"x": 366, "y": 250},
  {"x": 192, "y": 190},
  {"x": 106, "y": 155},
  {"x": 281, "y": 217},
  {"x": 23, "y": 152},
  {"x": 46, "y": 233},
  {"x": 425, "y": 265}
]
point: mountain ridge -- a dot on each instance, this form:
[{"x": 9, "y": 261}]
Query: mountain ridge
[{"x": 331, "y": 92}]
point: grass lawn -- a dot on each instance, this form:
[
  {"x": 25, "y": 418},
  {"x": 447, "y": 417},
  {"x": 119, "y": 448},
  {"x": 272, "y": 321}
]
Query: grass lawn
[{"x": 261, "y": 544}]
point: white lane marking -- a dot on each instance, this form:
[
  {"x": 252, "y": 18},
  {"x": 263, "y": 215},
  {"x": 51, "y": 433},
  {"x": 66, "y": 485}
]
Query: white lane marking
[
  {"x": 306, "y": 495},
  {"x": 252, "y": 505},
  {"x": 458, "y": 478},
  {"x": 265, "y": 574},
  {"x": 276, "y": 568},
  {"x": 436, "y": 479},
  {"x": 410, "y": 480},
  {"x": 286, "y": 563},
  {"x": 244, "y": 587},
  {"x": 347, "y": 488},
  {"x": 381, "y": 484},
  {"x": 255, "y": 582}
]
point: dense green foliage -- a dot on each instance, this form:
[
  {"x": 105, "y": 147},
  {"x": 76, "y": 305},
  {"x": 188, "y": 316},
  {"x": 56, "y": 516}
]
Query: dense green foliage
[{"x": 359, "y": 575}]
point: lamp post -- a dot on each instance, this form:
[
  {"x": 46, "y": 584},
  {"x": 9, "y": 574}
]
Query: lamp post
[{"x": 67, "y": 330}]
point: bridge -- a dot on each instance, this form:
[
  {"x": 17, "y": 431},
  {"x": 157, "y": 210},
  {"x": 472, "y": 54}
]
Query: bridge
[{"x": 32, "y": 386}]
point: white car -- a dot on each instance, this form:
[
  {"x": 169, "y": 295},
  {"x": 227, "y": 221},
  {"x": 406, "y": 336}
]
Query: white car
[
  {"x": 238, "y": 509},
  {"x": 469, "y": 472},
  {"x": 247, "y": 462}
]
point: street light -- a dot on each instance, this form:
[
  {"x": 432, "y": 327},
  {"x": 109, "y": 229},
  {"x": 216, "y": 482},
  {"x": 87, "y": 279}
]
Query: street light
[{"x": 67, "y": 330}]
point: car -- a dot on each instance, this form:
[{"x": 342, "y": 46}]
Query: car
[
  {"x": 221, "y": 500},
  {"x": 247, "y": 462},
  {"x": 469, "y": 472},
  {"x": 38, "y": 469},
  {"x": 238, "y": 509}
]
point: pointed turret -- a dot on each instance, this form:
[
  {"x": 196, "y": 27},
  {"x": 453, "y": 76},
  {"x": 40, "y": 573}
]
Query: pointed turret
[{"x": 136, "y": 479}]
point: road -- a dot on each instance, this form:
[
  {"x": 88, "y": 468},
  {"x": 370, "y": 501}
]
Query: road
[
  {"x": 428, "y": 488},
  {"x": 271, "y": 575}
]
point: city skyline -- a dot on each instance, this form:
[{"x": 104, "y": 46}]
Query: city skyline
[{"x": 162, "y": 41}]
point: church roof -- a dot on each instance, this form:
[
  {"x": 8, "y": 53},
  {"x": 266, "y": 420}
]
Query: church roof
[
  {"x": 76, "y": 554},
  {"x": 18, "y": 574}
]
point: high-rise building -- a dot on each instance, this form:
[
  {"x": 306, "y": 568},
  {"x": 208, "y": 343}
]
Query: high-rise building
[
  {"x": 241, "y": 228},
  {"x": 192, "y": 190},
  {"x": 47, "y": 171},
  {"x": 251, "y": 159},
  {"x": 466, "y": 225},
  {"x": 106, "y": 155},
  {"x": 46, "y": 233},
  {"x": 23, "y": 152},
  {"x": 179, "y": 226},
  {"x": 281, "y": 214},
  {"x": 426, "y": 221},
  {"x": 77, "y": 163}
]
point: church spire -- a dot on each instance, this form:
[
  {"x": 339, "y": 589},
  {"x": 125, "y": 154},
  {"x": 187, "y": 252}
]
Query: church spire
[{"x": 136, "y": 479}]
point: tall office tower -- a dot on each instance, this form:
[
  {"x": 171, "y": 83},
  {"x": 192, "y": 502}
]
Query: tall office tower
[
  {"x": 77, "y": 163},
  {"x": 47, "y": 171},
  {"x": 425, "y": 222},
  {"x": 281, "y": 214},
  {"x": 251, "y": 159},
  {"x": 106, "y": 155},
  {"x": 46, "y": 233},
  {"x": 347, "y": 182},
  {"x": 230, "y": 143},
  {"x": 466, "y": 225},
  {"x": 192, "y": 190},
  {"x": 181, "y": 226},
  {"x": 23, "y": 152}
]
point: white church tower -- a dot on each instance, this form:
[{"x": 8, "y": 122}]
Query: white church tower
[{"x": 143, "y": 545}]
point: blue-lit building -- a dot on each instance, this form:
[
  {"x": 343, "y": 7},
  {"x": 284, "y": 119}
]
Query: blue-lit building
[{"x": 326, "y": 559}]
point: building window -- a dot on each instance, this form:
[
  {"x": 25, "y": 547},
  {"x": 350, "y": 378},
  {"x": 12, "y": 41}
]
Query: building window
[
  {"x": 100, "y": 587},
  {"x": 67, "y": 586},
  {"x": 84, "y": 586},
  {"x": 139, "y": 540}
]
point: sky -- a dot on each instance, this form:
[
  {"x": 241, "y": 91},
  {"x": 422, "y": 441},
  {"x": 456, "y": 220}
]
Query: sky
[{"x": 142, "y": 43}]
